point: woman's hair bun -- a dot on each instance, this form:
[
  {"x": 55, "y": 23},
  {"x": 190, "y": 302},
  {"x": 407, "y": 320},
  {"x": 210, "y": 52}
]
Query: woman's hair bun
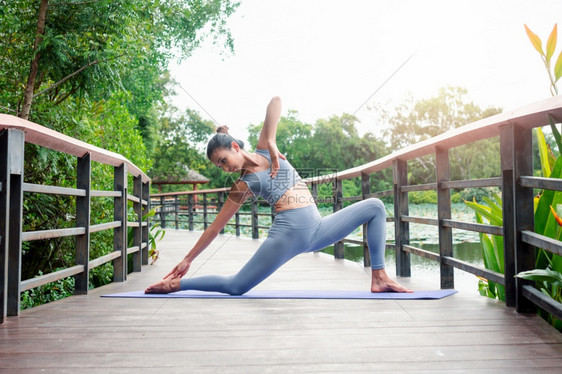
[{"x": 222, "y": 130}]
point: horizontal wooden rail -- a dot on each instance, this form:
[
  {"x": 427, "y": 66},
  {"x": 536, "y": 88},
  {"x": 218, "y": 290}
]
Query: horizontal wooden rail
[
  {"x": 541, "y": 241},
  {"x": 45, "y": 137},
  {"x": 98, "y": 193},
  {"x": 542, "y": 183},
  {"x": 49, "y": 234},
  {"x": 105, "y": 226},
  {"x": 421, "y": 252},
  {"x": 545, "y": 302},
  {"x": 39, "y": 188},
  {"x": 477, "y": 227},
  {"x": 51, "y": 277},
  {"x": 419, "y": 187},
  {"x": 472, "y": 183},
  {"x": 485, "y": 273},
  {"x": 527, "y": 117},
  {"x": 421, "y": 220},
  {"x": 103, "y": 259}
]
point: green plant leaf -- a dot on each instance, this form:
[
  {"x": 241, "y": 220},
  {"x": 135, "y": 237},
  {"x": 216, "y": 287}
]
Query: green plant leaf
[
  {"x": 543, "y": 153},
  {"x": 555, "y": 133},
  {"x": 535, "y": 40},
  {"x": 494, "y": 209},
  {"x": 558, "y": 68},
  {"x": 542, "y": 275},
  {"x": 546, "y": 200},
  {"x": 485, "y": 212},
  {"x": 551, "y": 43}
]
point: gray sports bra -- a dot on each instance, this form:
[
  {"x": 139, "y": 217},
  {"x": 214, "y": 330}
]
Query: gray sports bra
[{"x": 261, "y": 184}]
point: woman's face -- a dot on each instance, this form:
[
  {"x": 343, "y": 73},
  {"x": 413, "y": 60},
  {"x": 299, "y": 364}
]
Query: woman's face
[{"x": 229, "y": 160}]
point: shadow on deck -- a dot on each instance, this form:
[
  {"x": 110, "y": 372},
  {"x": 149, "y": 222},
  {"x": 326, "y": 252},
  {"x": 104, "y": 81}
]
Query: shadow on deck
[{"x": 461, "y": 333}]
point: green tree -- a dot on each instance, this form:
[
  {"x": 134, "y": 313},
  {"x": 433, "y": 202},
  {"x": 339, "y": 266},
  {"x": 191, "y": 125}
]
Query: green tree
[
  {"x": 415, "y": 121},
  {"x": 95, "y": 47},
  {"x": 95, "y": 70},
  {"x": 180, "y": 146}
]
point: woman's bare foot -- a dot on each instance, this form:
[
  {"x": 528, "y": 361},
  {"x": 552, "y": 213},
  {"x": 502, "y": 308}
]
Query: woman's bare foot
[
  {"x": 381, "y": 282},
  {"x": 165, "y": 286}
]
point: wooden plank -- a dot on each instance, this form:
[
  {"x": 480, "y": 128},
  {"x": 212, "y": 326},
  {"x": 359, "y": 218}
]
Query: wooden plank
[
  {"x": 472, "y": 183},
  {"x": 99, "y": 193},
  {"x": 104, "y": 226},
  {"x": 541, "y": 182},
  {"x": 419, "y": 187},
  {"x": 49, "y": 234},
  {"x": 51, "y": 277},
  {"x": 478, "y": 227},
  {"x": 82, "y": 256},
  {"x": 54, "y": 190},
  {"x": 133, "y": 198},
  {"x": 484, "y": 273},
  {"x": 103, "y": 259},
  {"x": 134, "y": 249},
  {"x": 541, "y": 241},
  {"x": 422, "y": 253},
  {"x": 421, "y": 220},
  {"x": 401, "y": 228},
  {"x": 443, "y": 213},
  {"x": 103, "y": 335},
  {"x": 543, "y": 301},
  {"x": 380, "y": 194}
]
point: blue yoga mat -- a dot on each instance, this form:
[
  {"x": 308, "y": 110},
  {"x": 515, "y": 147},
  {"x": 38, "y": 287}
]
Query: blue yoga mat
[{"x": 292, "y": 294}]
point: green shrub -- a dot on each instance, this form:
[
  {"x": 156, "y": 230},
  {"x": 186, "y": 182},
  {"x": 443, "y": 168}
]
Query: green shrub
[
  {"x": 422, "y": 197},
  {"x": 478, "y": 193}
]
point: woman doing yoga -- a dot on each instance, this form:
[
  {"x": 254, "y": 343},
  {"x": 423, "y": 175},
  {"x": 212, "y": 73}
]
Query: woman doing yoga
[{"x": 297, "y": 227}]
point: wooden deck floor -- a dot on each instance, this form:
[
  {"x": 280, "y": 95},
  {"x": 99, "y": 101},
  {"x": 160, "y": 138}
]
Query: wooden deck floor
[{"x": 463, "y": 333}]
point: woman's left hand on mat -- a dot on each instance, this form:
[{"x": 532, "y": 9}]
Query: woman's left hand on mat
[{"x": 179, "y": 270}]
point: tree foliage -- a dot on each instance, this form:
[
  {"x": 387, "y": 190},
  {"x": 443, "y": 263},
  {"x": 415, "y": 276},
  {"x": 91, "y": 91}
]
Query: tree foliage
[
  {"x": 415, "y": 121},
  {"x": 95, "y": 70},
  {"x": 328, "y": 146}
]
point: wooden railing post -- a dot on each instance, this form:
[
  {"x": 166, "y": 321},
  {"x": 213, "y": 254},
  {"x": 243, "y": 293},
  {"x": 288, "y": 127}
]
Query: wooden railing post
[
  {"x": 314, "y": 192},
  {"x": 443, "y": 213},
  {"x": 339, "y": 248},
  {"x": 190, "y": 212},
  {"x": 162, "y": 212},
  {"x": 220, "y": 203},
  {"x": 205, "y": 217},
  {"x": 401, "y": 228},
  {"x": 146, "y": 227},
  {"x": 523, "y": 218},
  {"x": 176, "y": 212},
  {"x": 237, "y": 223},
  {"x": 255, "y": 230},
  {"x": 4, "y": 222},
  {"x": 11, "y": 206},
  {"x": 120, "y": 214},
  {"x": 365, "y": 190},
  {"x": 508, "y": 200},
  {"x": 83, "y": 181},
  {"x": 137, "y": 230}
]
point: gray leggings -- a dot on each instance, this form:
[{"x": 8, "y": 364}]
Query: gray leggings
[{"x": 297, "y": 231}]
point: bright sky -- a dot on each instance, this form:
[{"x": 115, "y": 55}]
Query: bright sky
[{"x": 326, "y": 57}]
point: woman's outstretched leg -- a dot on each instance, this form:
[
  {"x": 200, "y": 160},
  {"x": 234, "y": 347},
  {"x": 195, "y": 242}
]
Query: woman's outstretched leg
[
  {"x": 280, "y": 246},
  {"x": 337, "y": 226}
]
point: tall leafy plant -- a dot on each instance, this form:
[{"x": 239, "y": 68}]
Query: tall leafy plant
[
  {"x": 492, "y": 245},
  {"x": 548, "y": 272}
]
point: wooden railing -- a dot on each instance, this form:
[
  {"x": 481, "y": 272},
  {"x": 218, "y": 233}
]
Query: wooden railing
[
  {"x": 516, "y": 181},
  {"x": 14, "y": 133}
]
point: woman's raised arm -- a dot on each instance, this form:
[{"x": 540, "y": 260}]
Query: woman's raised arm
[
  {"x": 236, "y": 197},
  {"x": 268, "y": 133}
]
